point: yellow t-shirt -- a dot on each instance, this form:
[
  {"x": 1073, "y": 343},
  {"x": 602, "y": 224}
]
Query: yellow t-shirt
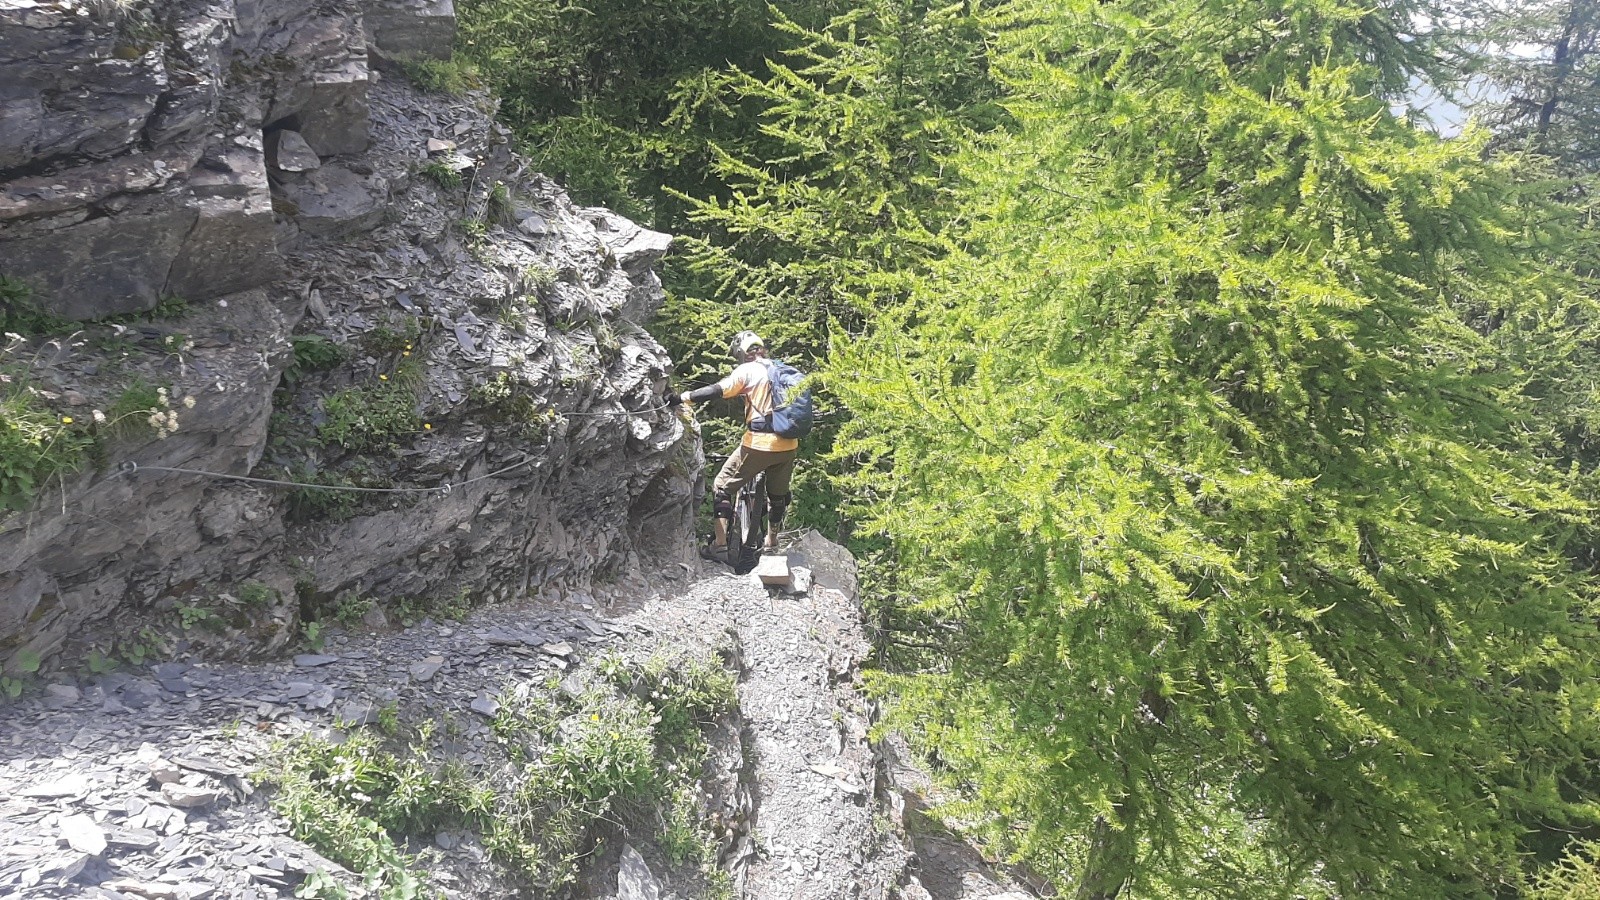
[{"x": 753, "y": 381}]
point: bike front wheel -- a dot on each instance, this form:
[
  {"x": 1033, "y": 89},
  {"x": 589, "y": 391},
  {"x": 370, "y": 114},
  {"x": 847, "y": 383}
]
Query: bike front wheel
[{"x": 749, "y": 515}]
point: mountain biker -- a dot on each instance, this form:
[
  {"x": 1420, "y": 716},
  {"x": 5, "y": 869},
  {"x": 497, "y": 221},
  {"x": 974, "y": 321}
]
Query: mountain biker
[{"x": 758, "y": 451}]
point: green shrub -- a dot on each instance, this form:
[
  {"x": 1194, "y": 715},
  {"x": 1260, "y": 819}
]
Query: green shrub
[
  {"x": 498, "y": 207},
  {"x": 508, "y": 400},
  {"x": 447, "y": 608},
  {"x": 539, "y": 278},
  {"x": 572, "y": 768},
  {"x": 307, "y": 504},
  {"x": 256, "y": 595},
  {"x": 323, "y": 791},
  {"x": 312, "y": 353},
  {"x": 370, "y": 416},
  {"x": 687, "y": 693}
]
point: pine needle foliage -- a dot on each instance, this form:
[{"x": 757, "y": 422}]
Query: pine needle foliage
[
  {"x": 590, "y": 88},
  {"x": 833, "y": 208},
  {"x": 1201, "y": 437}
]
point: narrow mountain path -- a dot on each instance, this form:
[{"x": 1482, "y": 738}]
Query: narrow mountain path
[
  {"x": 813, "y": 825},
  {"x": 141, "y": 782}
]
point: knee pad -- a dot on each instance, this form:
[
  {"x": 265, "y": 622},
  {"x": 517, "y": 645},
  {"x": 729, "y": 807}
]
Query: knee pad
[
  {"x": 777, "y": 505},
  {"x": 722, "y": 509}
]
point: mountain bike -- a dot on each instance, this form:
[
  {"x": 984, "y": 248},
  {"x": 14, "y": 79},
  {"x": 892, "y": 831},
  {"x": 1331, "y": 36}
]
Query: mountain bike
[{"x": 748, "y": 530}]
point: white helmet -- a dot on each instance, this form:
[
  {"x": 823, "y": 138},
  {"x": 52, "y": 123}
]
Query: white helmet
[{"x": 739, "y": 348}]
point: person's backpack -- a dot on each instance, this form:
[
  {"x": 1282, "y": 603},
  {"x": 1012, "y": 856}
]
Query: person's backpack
[{"x": 791, "y": 403}]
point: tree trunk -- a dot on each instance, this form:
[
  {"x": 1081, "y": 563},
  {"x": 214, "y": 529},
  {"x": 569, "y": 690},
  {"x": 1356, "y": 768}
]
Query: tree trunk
[
  {"x": 1563, "y": 63},
  {"x": 1113, "y": 852}
]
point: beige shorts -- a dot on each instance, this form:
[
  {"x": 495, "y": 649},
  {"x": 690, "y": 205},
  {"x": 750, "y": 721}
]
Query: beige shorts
[{"x": 746, "y": 464}]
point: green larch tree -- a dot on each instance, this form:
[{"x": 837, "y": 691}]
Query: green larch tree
[
  {"x": 1201, "y": 437},
  {"x": 831, "y": 206},
  {"x": 590, "y": 87}
]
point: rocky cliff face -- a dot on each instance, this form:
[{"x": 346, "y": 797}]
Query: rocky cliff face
[{"x": 376, "y": 295}]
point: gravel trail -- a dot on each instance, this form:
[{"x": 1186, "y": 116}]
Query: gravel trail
[{"x": 140, "y": 782}]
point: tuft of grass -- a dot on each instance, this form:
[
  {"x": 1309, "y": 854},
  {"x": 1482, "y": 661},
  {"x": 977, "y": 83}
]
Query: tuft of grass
[
  {"x": 498, "y": 207},
  {"x": 442, "y": 174},
  {"x": 453, "y": 76},
  {"x": 141, "y": 407},
  {"x": 383, "y": 340}
]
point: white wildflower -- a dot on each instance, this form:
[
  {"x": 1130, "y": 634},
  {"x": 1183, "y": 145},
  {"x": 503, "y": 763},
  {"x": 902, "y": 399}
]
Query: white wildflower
[
  {"x": 98, "y": 416},
  {"x": 188, "y": 402}
]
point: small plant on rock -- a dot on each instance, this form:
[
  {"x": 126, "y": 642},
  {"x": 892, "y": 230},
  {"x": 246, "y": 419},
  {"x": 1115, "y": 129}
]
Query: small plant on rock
[
  {"x": 539, "y": 278},
  {"x": 25, "y": 665},
  {"x": 350, "y": 608},
  {"x": 498, "y": 207},
  {"x": 170, "y": 306},
  {"x": 20, "y": 314},
  {"x": 195, "y": 615},
  {"x": 312, "y": 353},
  {"x": 384, "y": 340},
  {"x": 142, "y": 406},
  {"x": 255, "y": 595},
  {"x": 442, "y": 174},
  {"x": 455, "y": 75},
  {"x": 309, "y": 503},
  {"x": 572, "y": 768},
  {"x": 506, "y": 399},
  {"x": 371, "y": 416},
  {"x": 36, "y": 444},
  {"x": 474, "y": 229}
]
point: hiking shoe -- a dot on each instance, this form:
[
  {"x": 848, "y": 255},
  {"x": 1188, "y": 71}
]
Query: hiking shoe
[{"x": 714, "y": 553}]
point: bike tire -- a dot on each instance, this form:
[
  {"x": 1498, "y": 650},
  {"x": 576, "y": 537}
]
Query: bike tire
[{"x": 749, "y": 521}]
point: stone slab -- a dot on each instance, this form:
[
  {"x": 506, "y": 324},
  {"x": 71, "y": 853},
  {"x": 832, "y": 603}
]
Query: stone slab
[{"x": 773, "y": 569}]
